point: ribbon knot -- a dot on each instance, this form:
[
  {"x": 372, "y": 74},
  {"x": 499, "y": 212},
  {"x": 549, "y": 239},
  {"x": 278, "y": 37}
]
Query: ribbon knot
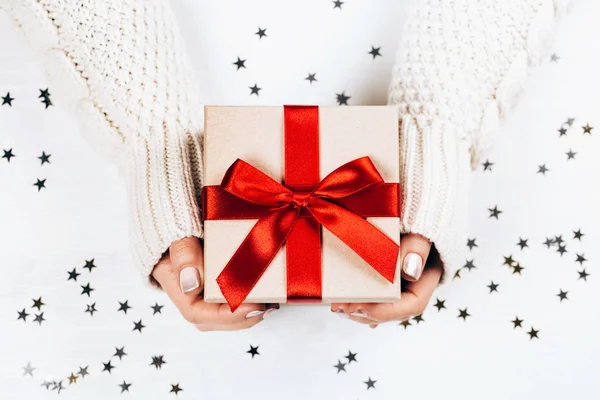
[{"x": 300, "y": 199}]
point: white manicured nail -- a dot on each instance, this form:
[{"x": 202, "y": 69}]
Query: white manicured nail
[
  {"x": 342, "y": 314},
  {"x": 189, "y": 279},
  {"x": 360, "y": 314},
  {"x": 255, "y": 313},
  {"x": 413, "y": 265},
  {"x": 269, "y": 311}
]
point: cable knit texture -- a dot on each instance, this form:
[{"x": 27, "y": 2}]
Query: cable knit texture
[
  {"x": 459, "y": 70},
  {"x": 121, "y": 66}
]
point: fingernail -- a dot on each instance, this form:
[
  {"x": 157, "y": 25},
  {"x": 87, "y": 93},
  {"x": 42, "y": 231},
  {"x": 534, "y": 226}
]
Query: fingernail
[
  {"x": 359, "y": 313},
  {"x": 253, "y": 314},
  {"x": 189, "y": 279},
  {"x": 269, "y": 311},
  {"x": 341, "y": 314},
  {"x": 413, "y": 265}
]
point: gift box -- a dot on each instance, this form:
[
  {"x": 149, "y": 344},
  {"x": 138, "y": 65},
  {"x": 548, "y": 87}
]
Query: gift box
[{"x": 301, "y": 203}]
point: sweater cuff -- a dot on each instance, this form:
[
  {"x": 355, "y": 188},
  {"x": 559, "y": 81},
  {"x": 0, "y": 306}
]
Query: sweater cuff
[
  {"x": 164, "y": 177},
  {"x": 434, "y": 177}
]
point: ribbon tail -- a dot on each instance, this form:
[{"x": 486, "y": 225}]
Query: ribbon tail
[
  {"x": 254, "y": 255},
  {"x": 366, "y": 240}
]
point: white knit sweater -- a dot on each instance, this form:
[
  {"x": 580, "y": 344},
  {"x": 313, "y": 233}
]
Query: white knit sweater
[{"x": 121, "y": 66}]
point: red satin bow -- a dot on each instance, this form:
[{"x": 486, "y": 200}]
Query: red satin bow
[{"x": 294, "y": 217}]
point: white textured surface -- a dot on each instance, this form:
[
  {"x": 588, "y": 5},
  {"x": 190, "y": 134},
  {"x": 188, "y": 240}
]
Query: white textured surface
[{"x": 83, "y": 215}]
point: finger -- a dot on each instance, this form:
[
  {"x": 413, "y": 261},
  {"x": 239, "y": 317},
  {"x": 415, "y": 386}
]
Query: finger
[
  {"x": 414, "y": 250},
  {"x": 248, "y": 323},
  {"x": 413, "y": 301},
  {"x": 187, "y": 262},
  {"x": 193, "y": 308}
]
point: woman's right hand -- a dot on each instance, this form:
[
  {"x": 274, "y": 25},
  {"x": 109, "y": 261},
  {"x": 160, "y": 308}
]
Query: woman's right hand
[{"x": 180, "y": 273}]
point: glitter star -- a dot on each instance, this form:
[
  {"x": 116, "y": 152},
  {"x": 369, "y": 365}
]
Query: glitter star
[
  {"x": 533, "y": 333},
  {"x": 517, "y": 268},
  {"x": 22, "y": 315},
  {"x": 494, "y": 212},
  {"x": 40, "y": 183},
  {"x": 562, "y": 132},
  {"x": 38, "y": 304},
  {"x": 570, "y": 155},
  {"x": 124, "y": 306},
  {"x": 89, "y": 264},
  {"x": 261, "y": 33},
  {"x": 370, "y": 383},
  {"x": 487, "y": 165},
  {"x": 86, "y": 289},
  {"x": 120, "y": 352},
  {"x": 58, "y": 386},
  {"x": 440, "y": 304},
  {"x": 375, "y": 52},
  {"x": 39, "y": 318},
  {"x": 45, "y": 96},
  {"x": 253, "y": 350},
  {"x": 138, "y": 326},
  {"x": 587, "y": 129},
  {"x": 562, "y": 249},
  {"x": 254, "y": 89},
  {"x": 509, "y": 260},
  {"x": 405, "y": 324},
  {"x": 570, "y": 121},
  {"x": 563, "y": 295},
  {"x": 108, "y": 366},
  {"x": 469, "y": 265},
  {"x": 351, "y": 357},
  {"x": 157, "y": 361},
  {"x": 156, "y": 309},
  {"x": 554, "y": 58},
  {"x": 28, "y": 370},
  {"x": 311, "y": 78},
  {"x": 578, "y": 235},
  {"x": 522, "y": 243},
  {"x": 457, "y": 274},
  {"x": 549, "y": 242},
  {"x": 542, "y": 169},
  {"x": 337, "y": 4},
  {"x": 418, "y": 319},
  {"x": 340, "y": 366},
  {"x": 342, "y": 99},
  {"x": 45, "y": 158},
  {"x": 581, "y": 258},
  {"x": 493, "y": 287},
  {"x": 73, "y": 274},
  {"x": 8, "y": 154},
  {"x": 583, "y": 274},
  {"x": 72, "y": 379},
  {"x": 83, "y": 372},
  {"x": 91, "y": 308},
  {"x": 471, "y": 243},
  {"x": 240, "y": 63},
  {"x": 463, "y": 314},
  {"x": 124, "y": 386},
  {"x": 175, "y": 389},
  {"x": 517, "y": 322},
  {"x": 7, "y": 99}
]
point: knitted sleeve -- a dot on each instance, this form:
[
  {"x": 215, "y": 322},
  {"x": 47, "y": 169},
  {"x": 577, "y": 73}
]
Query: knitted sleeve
[
  {"x": 121, "y": 67},
  {"x": 459, "y": 69}
]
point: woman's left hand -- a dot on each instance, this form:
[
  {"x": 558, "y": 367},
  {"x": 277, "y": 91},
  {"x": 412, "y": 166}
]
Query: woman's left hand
[{"x": 421, "y": 269}]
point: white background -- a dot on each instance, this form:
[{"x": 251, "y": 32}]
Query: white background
[{"x": 82, "y": 215}]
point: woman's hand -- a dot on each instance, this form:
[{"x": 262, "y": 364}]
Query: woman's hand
[
  {"x": 180, "y": 274},
  {"x": 415, "y": 253}
]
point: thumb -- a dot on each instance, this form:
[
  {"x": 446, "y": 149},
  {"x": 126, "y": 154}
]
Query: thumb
[
  {"x": 414, "y": 250},
  {"x": 187, "y": 262}
]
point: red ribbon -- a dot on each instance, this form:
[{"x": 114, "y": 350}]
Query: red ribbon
[{"x": 292, "y": 213}]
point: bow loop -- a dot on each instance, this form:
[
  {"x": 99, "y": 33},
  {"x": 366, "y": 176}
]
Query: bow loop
[{"x": 349, "y": 178}]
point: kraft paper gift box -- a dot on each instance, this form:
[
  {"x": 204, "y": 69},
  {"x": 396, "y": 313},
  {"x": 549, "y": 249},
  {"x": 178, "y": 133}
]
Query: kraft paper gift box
[{"x": 255, "y": 134}]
